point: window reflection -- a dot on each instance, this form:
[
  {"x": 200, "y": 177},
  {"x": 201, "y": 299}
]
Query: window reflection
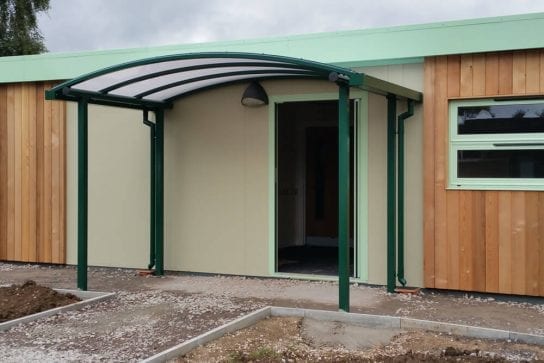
[
  {"x": 500, "y": 163},
  {"x": 501, "y": 119}
]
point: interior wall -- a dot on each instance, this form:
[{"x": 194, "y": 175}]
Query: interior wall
[{"x": 300, "y": 119}]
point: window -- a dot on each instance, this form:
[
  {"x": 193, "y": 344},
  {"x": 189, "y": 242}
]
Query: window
[{"x": 496, "y": 145}]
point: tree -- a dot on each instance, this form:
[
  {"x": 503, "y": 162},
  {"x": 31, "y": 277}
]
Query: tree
[{"x": 19, "y": 33}]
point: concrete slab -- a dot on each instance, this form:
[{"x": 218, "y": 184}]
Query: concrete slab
[{"x": 352, "y": 336}]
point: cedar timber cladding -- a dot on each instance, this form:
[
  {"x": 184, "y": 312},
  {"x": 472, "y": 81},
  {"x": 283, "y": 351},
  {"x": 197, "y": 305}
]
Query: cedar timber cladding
[
  {"x": 32, "y": 174},
  {"x": 490, "y": 241}
]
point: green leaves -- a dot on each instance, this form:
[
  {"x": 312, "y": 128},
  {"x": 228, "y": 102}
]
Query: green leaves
[{"x": 19, "y": 32}]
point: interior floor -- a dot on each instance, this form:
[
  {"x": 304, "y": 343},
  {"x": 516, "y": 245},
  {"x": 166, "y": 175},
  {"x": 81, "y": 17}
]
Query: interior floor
[{"x": 311, "y": 260}]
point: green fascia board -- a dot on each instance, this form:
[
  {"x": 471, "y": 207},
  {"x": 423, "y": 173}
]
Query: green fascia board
[{"x": 347, "y": 48}]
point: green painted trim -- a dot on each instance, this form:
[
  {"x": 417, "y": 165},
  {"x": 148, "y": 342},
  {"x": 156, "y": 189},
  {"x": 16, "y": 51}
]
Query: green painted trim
[
  {"x": 381, "y": 46},
  {"x": 362, "y": 186},
  {"x": 307, "y": 277},
  {"x": 272, "y": 185},
  {"x": 362, "y": 181},
  {"x": 485, "y": 142},
  {"x": 381, "y": 62}
]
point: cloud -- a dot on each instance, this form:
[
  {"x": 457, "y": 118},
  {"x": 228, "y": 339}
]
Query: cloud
[{"x": 105, "y": 24}]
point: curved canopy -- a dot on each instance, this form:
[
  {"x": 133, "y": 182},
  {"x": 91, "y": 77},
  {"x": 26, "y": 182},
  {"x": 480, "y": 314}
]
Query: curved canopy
[
  {"x": 160, "y": 80},
  {"x": 156, "y": 82}
]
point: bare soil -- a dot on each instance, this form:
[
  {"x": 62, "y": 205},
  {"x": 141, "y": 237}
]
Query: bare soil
[
  {"x": 289, "y": 340},
  {"x": 29, "y": 298}
]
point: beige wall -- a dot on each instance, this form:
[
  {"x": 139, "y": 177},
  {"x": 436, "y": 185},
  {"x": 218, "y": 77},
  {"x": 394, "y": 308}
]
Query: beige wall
[
  {"x": 409, "y": 76},
  {"x": 118, "y": 187},
  {"x": 216, "y": 172},
  {"x": 216, "y": 182}
]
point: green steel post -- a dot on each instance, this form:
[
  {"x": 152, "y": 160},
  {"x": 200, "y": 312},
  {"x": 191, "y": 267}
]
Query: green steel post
[
  {"x": 400, "y": 187},
  {"x": 152, "y": 199},
  {"x": 159, "y": 192},
  {"x": 391, "y": 197},
  {"x": 82, "y": 196},
  {"x": 343, "y": 196},
  {"x": 151, "y": 191}
]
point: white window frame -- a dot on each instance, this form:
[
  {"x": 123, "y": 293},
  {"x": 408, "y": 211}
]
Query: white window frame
[{"x": 488, "y": 142}]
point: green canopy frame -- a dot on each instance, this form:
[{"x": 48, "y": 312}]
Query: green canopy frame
[{"x": 154, "y": 84}]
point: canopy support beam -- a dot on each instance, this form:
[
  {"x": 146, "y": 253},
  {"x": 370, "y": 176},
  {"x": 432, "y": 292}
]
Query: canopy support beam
[
  {"x": 343, "y": 196},
  {"x": 82, "y": 191}
]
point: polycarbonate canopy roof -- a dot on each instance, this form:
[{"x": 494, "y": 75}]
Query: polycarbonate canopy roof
[{"x": 157, "y": 82}]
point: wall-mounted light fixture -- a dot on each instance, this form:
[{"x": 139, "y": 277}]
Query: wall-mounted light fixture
[{"x": 254, "y": 95}]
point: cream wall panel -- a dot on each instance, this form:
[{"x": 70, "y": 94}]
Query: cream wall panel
[
  {"x": 118, "y": 187},
  {"x": 413, "y": 265},
  {"x": 377, "y": 189},
  {"x": 216, "y": 184},
  {"x": 407, "y": 75}
]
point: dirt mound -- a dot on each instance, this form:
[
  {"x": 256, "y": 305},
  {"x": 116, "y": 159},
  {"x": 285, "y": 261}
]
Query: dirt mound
[{"x": 29, "y": 298}]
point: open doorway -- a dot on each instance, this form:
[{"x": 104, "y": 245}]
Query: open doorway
[{"x": 307, "y": 188}]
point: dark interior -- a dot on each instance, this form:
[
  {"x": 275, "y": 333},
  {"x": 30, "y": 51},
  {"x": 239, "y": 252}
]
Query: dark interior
[{"x": 307, "y": 188}]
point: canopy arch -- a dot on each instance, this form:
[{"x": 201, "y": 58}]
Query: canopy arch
[
  {"x": 157, "y": 82},
  {"x": 154, "y": 84}
]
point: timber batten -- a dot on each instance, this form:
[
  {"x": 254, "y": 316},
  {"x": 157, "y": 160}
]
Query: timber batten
[
  {"x": 479, "y": 240},
  {"x": 32, "y": 174}
]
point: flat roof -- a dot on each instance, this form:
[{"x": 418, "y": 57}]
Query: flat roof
[{"x": 356, "y": 48}]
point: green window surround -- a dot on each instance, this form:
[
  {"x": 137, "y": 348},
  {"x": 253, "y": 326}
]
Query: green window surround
[{"x": 496, "y": 144}]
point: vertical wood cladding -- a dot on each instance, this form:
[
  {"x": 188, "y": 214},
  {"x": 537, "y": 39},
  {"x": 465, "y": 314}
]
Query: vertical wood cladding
[
  {"x": 489, "y": 241},
  {"x": 32, "y": 174}
]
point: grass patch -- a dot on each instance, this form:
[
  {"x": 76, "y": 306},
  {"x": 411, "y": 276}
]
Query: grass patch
[{"x": 260, "y": 354}]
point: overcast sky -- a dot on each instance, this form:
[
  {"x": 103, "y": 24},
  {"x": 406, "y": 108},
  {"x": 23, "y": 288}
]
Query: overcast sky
[{"x": 73, "y": 25}]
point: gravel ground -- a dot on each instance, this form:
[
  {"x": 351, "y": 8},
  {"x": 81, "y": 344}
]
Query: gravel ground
[
  {"x": 289, "y": 339},
  {"x": 150, "y": 314}
]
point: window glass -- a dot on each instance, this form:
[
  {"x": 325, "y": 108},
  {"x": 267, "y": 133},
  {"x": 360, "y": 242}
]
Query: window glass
[
  {"x": 496, "y": 145},
  {"x": 500, "y": 163},
  {"x": 500, "y": 119}
]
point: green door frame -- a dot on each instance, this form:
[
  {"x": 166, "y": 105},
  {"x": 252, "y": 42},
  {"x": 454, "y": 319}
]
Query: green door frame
[{"x": 361, "y": 180}]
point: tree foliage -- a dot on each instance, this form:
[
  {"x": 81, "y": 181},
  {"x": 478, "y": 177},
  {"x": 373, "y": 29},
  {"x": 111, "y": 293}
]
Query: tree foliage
[{"x": 19, "y": 32}]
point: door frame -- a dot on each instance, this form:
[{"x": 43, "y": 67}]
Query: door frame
[{"x": 361, "y": 182}]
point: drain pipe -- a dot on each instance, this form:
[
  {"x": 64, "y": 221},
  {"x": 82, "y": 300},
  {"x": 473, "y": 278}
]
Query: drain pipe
[
  {"x": 151, "y": 125},
  {"x": 400, "y": 191},
  {"x": 391, "y": 191}
]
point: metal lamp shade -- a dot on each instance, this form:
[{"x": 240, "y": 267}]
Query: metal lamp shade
[{"x": 254, "y": 95}]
